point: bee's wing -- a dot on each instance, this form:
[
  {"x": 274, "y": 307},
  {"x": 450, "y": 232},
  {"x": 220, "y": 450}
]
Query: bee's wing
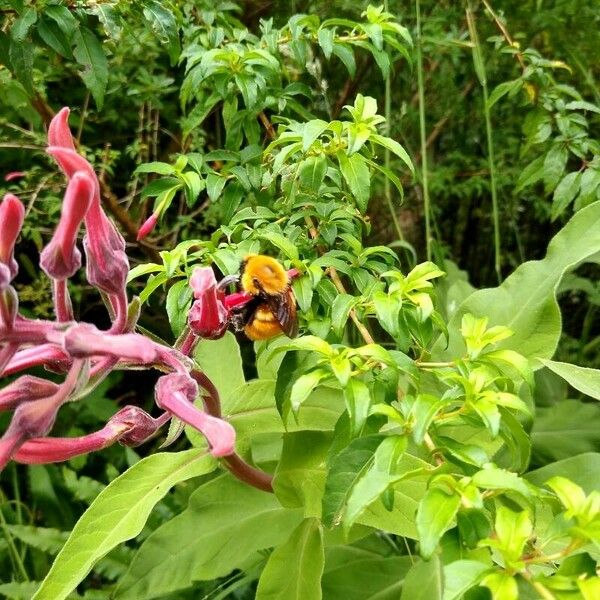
[{"x": 284, "y": 309}]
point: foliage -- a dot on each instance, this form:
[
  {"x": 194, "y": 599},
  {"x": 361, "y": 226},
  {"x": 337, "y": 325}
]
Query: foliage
[{"x": 426, "y": 439}]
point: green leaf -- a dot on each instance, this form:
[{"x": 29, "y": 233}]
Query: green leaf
[
  {"x": 21, "y": 60},
  {"x": 566, "y": 429},
  {"x": 554, "y": 165},
  {"x": 387, "y": 308},
  {"x": 53, "y": 36},
  {"x": 300, "y": 477},
  {"x": 435, "y": 515},
  {"x": 294, "y": 569},
  {"x": 345, "y": 470},
  {"x": 89, "y": 54},
  {"x": 531, "y": 174},
  {"x": 325, "y": 37},
  {"x": 506, "y": 87},
  {"x": 394, "y": 147},
  {"x": 280, "y": 241},
  {"x": 304, "y": 386},
  {"x": 163, "y": 23},
  {"x": 358, "y": 402},
  {"x": 353, "y": 573},
  {"x": 161, "y": 168},
  {"x": 179, "y": 299},
  {"x": 312, "y": 172},
  {"x": 226, "y": 523},
  {"x": 526, "y": 301},
  {"x": 423, "y": 581},
  {"x": 460, "y": 576},
  {"x": 502, "y": 585},
  {"x": 584, "y": 470},
  {"x": 565, "y": 193},
  {"x": 379, "y": 475},
  {"x": 356, "y": 174},
  {"x": 345, "y": 54},
  {"x": 493, "y": 478},
  {"x": 311, "y": 131},
  {"x": 22, "y": 25},
  {"x": 119, "y": 514},
  {"x": 63, "y": 17},
  {"x": 340, "y": 309},
  {"x": 585, "y": 380}
]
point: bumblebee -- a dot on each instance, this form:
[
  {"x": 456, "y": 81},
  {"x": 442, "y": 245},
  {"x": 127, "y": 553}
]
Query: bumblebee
[{"x": 272, "y": 310}]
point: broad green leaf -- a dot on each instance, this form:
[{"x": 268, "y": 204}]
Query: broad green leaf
[
  {"x": 163, "y": 23},
  {"x": 179, "y": 299},
  {"x": 436, "y": 513},
  {"x": 531, "y": 174},
  {"x": 90, "y": 56},
  {"x": 502, "y": 585},
  {"x": 304, "y": 386},
  {"x": 119, "y": 514},
  {"x": 554, "y": 165},
  {"x": 325, "y": 37},
  {"x": 493, "y": 478},
  {"x": 340, "y": 310},
  {"x": 345, "y": 54},
  {"x": 51, "y": 33},
  {"x": 526, "y": 301},
  {"x": 161, "y": 168},
  {"x": 566, "y": 429},
  {"x": 424, "y": 581},
  {"x": 300, "y": 476},
  {"x": 506, "y": 87},
  {"x": 387, "y": 308},
  {"x": 358, "y": 402},
  {"x": 344, "y": 471},
  {"x": 354, "y": 573},
  {"x": 294, "y": 569},
  {"x": 584, "y": 470},
  {"x": 585, "y": 380},
  {"x": 221, "y": 361},
  {"x": 460, "y": 576},
  {"x": 225, "y": 523},
  {"x": 356, "y": 174}
]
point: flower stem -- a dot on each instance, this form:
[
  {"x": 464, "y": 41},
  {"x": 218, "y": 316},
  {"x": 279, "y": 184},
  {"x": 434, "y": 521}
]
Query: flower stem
[{"x": 62, "y": 301}]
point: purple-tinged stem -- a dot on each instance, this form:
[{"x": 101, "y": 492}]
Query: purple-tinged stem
[
  {"x": 62, "y": 301},
  {"x": 238, "y": 467},
  {"x": 188, "y": 342},
  {"x": 119, "y": 304}
]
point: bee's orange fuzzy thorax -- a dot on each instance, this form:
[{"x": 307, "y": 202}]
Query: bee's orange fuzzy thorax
[{"x": 263, "y": 274}]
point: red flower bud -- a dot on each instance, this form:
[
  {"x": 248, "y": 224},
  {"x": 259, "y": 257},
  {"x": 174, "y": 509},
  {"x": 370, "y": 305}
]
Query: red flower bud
[
  {"x": 60, "y": 259},
  {"x": 14, "y": 175},
  {"x": 12, "y": 213}
]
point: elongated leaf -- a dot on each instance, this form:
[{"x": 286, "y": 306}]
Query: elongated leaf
[
  {"x": 587, "y": 381},
  {"x": 526, "y": 301},
  {"x": 89, "y": 54},
  {"x": 226, "y": 522},
  {"x": 344, "y": 472},
  {"x": 436, "y": 513},
  {"x": 119, "y": 514},
  {"x": 357, "y": 176},
  {"x": 460, "y": 576},
  {"x": 294, "y": 569}
]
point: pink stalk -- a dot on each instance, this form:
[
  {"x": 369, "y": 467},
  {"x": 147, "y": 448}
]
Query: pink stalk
[
  {"x": 14, "y": 175},
  {"x": 24, "y": 389},
  {"x": 62, "y": 301}
]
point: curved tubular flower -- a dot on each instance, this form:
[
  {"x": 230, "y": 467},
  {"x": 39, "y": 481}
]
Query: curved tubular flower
[
  {"x": 24, "y": 389},
  {"x": 176, "y": 393},
  {"x": 12, "y": 214},
  {"x": 61, "y": 259},
  {"x": 148, "y": 226},
  {"x": 131, "y": 426}
]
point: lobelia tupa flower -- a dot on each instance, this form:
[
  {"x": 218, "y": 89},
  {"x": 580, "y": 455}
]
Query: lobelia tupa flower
[{"x": 84, "y": 354}]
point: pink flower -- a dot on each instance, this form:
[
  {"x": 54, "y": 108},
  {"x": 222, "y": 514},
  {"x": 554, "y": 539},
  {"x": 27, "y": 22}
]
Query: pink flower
[
  {"x": 60, "y": 259},
  {"x": 148, "y": 226},
  {"x": 208, "y": 317},
  {"x": 12, "y": 213},
  {"x": 176, "y": 393},
  {"x": 59, "y": 133},
  {"x": 85, "y": 340}
]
